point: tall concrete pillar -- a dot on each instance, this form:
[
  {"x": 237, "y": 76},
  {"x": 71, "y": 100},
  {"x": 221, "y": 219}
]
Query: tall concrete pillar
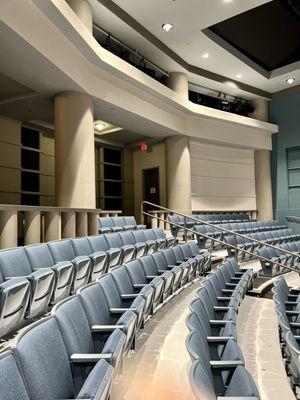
[
  {"x": 263, "y": 183},
  {"x": 178, "y": 173},
  {"x": 74, "y": 151},
  {"x": 83, "y": 10},
  {"x": 178, "y": 81}
]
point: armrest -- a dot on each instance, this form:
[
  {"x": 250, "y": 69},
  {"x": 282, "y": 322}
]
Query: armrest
[
  {"x": 231, "y": 285},
  {"x": 221, "y": 298},
  {"x": 150, "y": 277},
  {"x": 119, "y": 310},
  {"x": 293, "y": 296},
  {"x": 295, "y": 324},
  {"x": 291, "y": 303},
  {"x": 221, "y": 308},
  {"x": 171, "y": 266},
  {"x": 218, "y": 339},
  {"x": 161, "y": 271},
  {"x": 295, "y": 291},
  {"x": 225, "y": 365},
  {"x": 89, "y": 358},
  {"x": 219, "y": 322},
  {"x": 139, "y": 285},
  {"x": 129, "y": 296},
  {"x": 292, "y": 312},
  {"x": 227, "y": 290},
  {"x": 106, "y": 328},
  {"x": 236, "y": 398}
]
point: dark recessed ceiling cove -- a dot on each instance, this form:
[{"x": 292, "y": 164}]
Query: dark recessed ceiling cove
[{"x": 268, "y": 35}]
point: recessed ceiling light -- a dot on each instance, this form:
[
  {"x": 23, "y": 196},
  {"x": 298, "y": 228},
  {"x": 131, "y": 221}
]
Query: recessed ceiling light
[
  {"x": 167, "y": 27},
  {"x": 239, "y": 76},
  {"x": 205, "y": 55},
  {"x": 227, "y": 1},
  {"x": 290, "y": 81}
]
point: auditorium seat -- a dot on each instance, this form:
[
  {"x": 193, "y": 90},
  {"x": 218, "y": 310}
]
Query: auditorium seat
[
  {"x": 130, "y": 220},
  {"x": 171, "y": 261},
  {"x": 149, "y": 266},
  {"x": 139, "y": 280},
  {"x": 240, "y": 385},
  {"x": 106, "y": 225},
  {"x": 102, "y": 319},
  {"x": 160, "y": 234},
  {"x": 139, "y": 237},
  {"x": 39, "y": 256},
  {"x": 47, "y": 371},
  {"x": 99, "y": 259},
  {"x": 128, "y": 239},
  {"x": 162, "y": 266},
  {"x": 99, "y": 243},
  {"x": 15, "y": 263},
  {"x": 14, "y": 298},
  {"x": 84, "y": 345},
  {"x": 127, "y": 290},
  {"x": 62, "y": 250},
  {"x": 114, "y": 242},
  {"x": 119, "y": 222},
  {"x": 118, "y": 304}
]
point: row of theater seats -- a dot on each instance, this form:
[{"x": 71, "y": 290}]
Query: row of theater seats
[
  {"x": 211, "y": 218},
  {"x": 275, "y": 256},
  {"x": 118, "y": 224},
  {"x": 75, "y": 352},
  {"x": 270, "y": 237},
  {"x": 244, "y": 228},
  {"x": 287, "y": 303},
  {"x": 218, "y": 365},
  {"x": 34, "y": 277}
]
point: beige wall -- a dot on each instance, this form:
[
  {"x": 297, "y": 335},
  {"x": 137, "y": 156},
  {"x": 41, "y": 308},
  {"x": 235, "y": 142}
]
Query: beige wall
[
  {"x": 222, "y": 178},
  {"x": 10, "y": 161},
  {"x": 143, "y": 160}
]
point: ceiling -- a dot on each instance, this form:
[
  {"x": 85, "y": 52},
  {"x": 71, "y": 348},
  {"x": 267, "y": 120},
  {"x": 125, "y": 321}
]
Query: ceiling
[{"x": 138, "y": 24}]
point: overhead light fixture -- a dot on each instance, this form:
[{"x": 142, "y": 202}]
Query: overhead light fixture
[
  {"x": 290, "y": 81},
  {"x": 239, "y": 76},
  {"x": 205, "y": 55},
  {"x": 100, "y": 126},
  {"x": 227, "y": 1},
  {"x": 167, "y": 27}
]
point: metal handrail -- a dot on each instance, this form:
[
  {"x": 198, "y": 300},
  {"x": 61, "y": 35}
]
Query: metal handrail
[
  {"x": 262, "y": 244},
  {"x": 293, "y": 218}
]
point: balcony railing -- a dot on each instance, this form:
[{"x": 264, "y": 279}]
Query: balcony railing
[{"x": 31, "y": 224}]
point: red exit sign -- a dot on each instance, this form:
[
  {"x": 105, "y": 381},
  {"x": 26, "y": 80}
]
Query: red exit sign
[{"x": 148, "y": 148}]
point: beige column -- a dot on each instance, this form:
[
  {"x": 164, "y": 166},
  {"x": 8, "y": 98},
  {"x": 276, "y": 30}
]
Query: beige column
[
  {"x": 52, "y": 226},
  {"x": 178, "y": 173},
  {"x": 32, "y": 227},
  {"x": 81, "y": 224},
  {"x": 68, "y": 225},
  {"x": 93, "y": 224},
  {"x": 83, "y": 10},
  {"x": 8, "y": 229},
  {"x": 263, "y": 184},
  {"x": 178, "y": 81},
  {"x": 74, "y": 151}
]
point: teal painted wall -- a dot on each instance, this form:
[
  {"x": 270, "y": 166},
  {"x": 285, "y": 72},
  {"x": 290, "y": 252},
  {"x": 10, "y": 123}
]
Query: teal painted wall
[{"x": 285, "y": 112}]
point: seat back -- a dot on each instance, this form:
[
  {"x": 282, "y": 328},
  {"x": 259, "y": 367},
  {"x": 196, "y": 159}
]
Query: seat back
[
  {"x": 113, "y": 240},
  {"x": 62, "y": 250},
  {"x": 106, "y": 222},
  {"x": 39, "y": 256},
  {"x": 74, "y": 326},
  {"x": 81, "y": 246},
  {"x": 130, "y": 221},
  {"x": 110, "y": 290},
  {"x": 48, "y": 376},
  {"x": 127, "y": 238},
  {"x": 202, "y": 382},
  {"x": 122, "y": 280},
  {"x": 11, "y": 381},
  {"x": 139, "y": 236},
  {"x": 118, "y": 221},
  {"x": 136, "y": 272},
  {"x": 14, "y": 262},
  {"x": 98, "y": 243},
  {"x": 148, "y": 264}
]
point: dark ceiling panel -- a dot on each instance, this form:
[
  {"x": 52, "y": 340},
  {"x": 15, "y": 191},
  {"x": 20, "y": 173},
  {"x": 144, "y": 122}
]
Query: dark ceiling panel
[{"x": 269, "y": 35}]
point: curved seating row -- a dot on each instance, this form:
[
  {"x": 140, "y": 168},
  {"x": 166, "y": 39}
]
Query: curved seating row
[
  {"x": 218, "y": 366},
  {"x": 269, "y": 237},
  {"x": 242, "y": 228},
  {"x": 118, "y": 224},
  {"x": 271, "y": 268},
  {"x": 34, "y": 277},
  {"x": 75, "y": 352},
  {"x": 211, "y": 218},
  {"x": 287, "y": 305}
]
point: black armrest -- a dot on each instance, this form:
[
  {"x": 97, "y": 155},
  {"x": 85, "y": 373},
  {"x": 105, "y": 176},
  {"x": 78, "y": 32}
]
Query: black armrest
[
  {"x": 129, "y": 296},
  {"x": 150, "y": 277},
  {"x": 119, "y": 310},
  {"x": 221, "y": 308},
  {"x": 218, "y": 339},
  {"x": 225, "y": 365},
  {"x": 219, "y": 322},
  {"x": 139, "y": 285}
]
